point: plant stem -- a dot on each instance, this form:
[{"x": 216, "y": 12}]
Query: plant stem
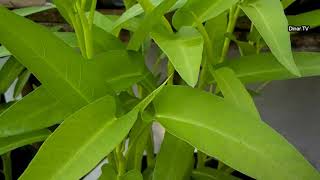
[
  {"x": 233, "y": 16},
  {"x": 7, "y": 171},
  {"x": 121, "y": 160}
]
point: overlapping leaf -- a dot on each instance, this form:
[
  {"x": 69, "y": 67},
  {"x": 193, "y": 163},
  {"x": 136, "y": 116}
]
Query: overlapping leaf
[{"x": 240, "y": 140}]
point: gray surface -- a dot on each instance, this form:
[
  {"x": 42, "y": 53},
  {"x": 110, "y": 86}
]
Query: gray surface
[{"x": 292, "y": 108}]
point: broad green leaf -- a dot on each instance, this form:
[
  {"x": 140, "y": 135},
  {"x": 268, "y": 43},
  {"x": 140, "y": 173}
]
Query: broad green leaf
[
  {"x": 34, "y": 9},
  {"x": 104, "y": 41},
  {"x": 74, "y": 149},
  {"x": 9, "y": 73},
  {"x": 22, "y": 81},
  {"x": 10, "y": 143},
  {"x": 234, "y": 91},
  {"x": 229, "y": 134},
  {"x": 184, "y": 50},
  {"x": 132, "y": 175},
  {"x": 203, "y": 10},
  {"x": 216, "y": 28},
  {"x": 104, "y": 22},
  {"x": 310, "y": 18},
  {"x": 37, "y": 51},
  {"x": 211, "y": 174},
  {"x": 264, "y": 67},
  {"x": 108, "y": 172},
  {"x": 263, "y": 13},
  {"x": 147, "y": 24},
  {"x": 37, "y": 110},
  {"x": 175, "y": 159}
]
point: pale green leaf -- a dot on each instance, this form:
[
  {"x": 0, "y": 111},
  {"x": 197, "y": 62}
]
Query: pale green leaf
[
  {"x": 108, "y": 172},
  {"x": 175, "y": 159},
  {"x": 203, "y": 10},
  {"x": 10, "y": 143},
  {"x": 184, "y": 50},
  {"x": 22, "y": 81},
  {"x": 263, "y": 14},
  {"x": 229, "y": 134},
  {"x": 132, "y": 175}
]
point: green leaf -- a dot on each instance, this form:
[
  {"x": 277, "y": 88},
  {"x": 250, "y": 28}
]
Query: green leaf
[
  {"x": 37, "y": 51},
  {"x": 245, "y": 48},
  {"x": 22, "y": 81},
  {"x": 175, "y": 159},
  {"x": 216, "y": 28},
  {"x": 9, "y": 73},
  {"x": 4, "y": 52},
  {"x": 120, "y": 68},
  {"x": 74, "y": 149},
  {"x": 263, "y": 13},
  {"x": 147, "y": 24},
  {"x": 234, "y": 91},
  {"x": 310, "y": 18},
  {"x": 37, "y": 110},
  {"x": 10, "y": 143},
  {"x": 211, "y": 174},
  {"x": 33, "y": 9},
  {"x": 184, "y": 50},
  {"x": 229, "y": 134},
  {"x": 264, "y": 67},
  {"x": 104, "y": 41},
  {"x": 108, "y": 172},
  {"x": 132, "y": 175},
  {"x": 203, "y": 10}
]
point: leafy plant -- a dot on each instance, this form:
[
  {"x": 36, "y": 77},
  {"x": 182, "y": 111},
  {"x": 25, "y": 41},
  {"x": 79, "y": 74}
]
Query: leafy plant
[{"x": 86, "y": 108}]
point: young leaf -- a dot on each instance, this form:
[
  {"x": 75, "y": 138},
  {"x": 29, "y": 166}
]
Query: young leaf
[
  {"x": 9, "y": 73},
  {"x": 175, "y": 159},
  {"x": 211, "y": 174},
  {"x": 81, "y": 141},
  {"x": 263, "y": 13},
  {"x": 108, "y": 172},
  {"x": 22, "y": 80},
  {"x": 147, "y": 24},
  {"x": 231, "y": 135},
  {"x": 264, "y": 67},
  {"x": 203, "y": 10},
  {"x": 234, "y": 91},
  {"x": 310, "y": 18},
  {"x": 184, "y": 50},
  {"x": 10, "y": 143},
  {"x": 216, "y": 28}
]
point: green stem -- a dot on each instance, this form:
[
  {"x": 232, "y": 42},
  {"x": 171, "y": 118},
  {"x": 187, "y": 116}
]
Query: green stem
[
  {"x": 7, "y": 171},
  {"x": 233, "y": 16},
  {"x": 150, "y": 151},
  {"x": 121, "y": 160}
]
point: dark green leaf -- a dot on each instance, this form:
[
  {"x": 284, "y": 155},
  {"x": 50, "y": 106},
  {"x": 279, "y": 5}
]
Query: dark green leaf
[
  {"x": 263, "y": 13},
  {"x": 229, "y": 134},
  {"x": 184, "y": 50},
  {"x": 175, "y": 159},
  {"x": 10, "y": 143}
]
